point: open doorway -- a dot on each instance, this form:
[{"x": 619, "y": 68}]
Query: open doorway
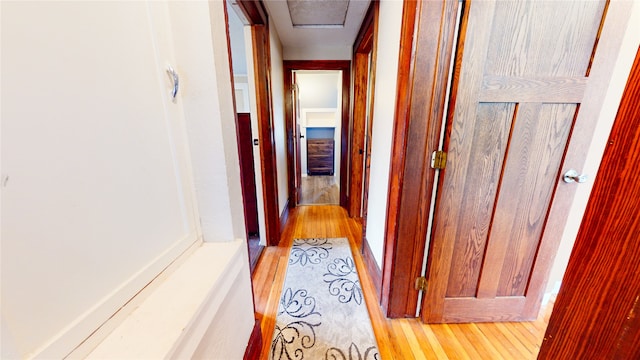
[
  {"x": 319, "y": 121},
  {"x": 326, "y": 120},
  {"x": 244, "y": 130}
]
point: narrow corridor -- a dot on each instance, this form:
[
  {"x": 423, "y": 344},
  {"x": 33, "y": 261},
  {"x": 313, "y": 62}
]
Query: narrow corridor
[{"x": 397, "y": 338}]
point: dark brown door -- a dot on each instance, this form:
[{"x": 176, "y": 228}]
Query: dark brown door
[
  {"x": 247, "y": 171},
  {"x": 597, "y": 312},
  {"x": 524, "y": 95}
]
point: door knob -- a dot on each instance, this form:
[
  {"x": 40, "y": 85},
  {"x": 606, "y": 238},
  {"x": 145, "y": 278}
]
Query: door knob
[{"x": 573, "y": 176}]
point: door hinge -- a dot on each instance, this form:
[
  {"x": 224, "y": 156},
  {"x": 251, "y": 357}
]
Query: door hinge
[
  {"x": 438, "y": 159},
  {"x": 421, "y": 283}
]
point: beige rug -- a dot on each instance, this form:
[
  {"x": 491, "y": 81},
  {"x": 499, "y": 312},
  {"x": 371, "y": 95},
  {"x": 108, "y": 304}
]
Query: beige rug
[{"x": 322, "y": 312}]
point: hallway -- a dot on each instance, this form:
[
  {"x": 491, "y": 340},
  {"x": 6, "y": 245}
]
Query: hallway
[{"x": 397, "y": 338}]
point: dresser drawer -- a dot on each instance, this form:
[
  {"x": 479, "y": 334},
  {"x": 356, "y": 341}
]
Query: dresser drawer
[{"x": 320, "y": 157}]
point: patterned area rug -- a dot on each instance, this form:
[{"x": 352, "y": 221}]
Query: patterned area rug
[{"x": 322, "y": 312}]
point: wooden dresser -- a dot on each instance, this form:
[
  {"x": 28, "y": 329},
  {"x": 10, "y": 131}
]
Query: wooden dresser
[{"x": 320, "y": 156}]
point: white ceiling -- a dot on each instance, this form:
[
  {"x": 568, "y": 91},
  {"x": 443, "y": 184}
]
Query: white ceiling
[{"x": 316, "y": 35}]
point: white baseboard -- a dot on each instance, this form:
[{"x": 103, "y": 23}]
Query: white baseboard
[{"x": 73, "y": 339}]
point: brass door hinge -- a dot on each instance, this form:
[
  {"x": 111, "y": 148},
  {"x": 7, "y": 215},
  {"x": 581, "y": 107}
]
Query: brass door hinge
[
  {"x": 421, "y": 283},
  {"x": 438, "y": 159}
]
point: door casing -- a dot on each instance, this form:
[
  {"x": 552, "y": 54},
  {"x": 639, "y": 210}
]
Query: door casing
[
  {"x": 425, "y": 51},
  {"x": 289, "y": 67},
  {"x": 423, "y": 71}
]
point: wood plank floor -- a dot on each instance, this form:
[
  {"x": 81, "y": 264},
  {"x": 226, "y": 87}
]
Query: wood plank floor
[
  {"x": 397, "y": 338},
  {"x": 319, "y": 190}
]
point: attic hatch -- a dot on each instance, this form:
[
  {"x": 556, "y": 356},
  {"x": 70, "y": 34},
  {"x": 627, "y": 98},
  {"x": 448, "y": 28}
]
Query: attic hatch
[{"x": 318, "y": 13}]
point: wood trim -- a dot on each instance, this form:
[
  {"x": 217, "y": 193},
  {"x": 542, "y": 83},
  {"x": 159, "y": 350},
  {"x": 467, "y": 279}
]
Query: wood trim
[
  {"x": 398, "y": 151},
  {"x": 262, "y": 66},
  {"x": 254, "y": 346},
  {"x": 596, "y": 313},
  {"x": 426, "y": 45},
  {"x": 345, "y": 66},
  {"x": 372, "y": 41},
  {"x": 362, "y": 77},
  {"x": 290, "y": 132},
  {"x": 372, "y": 267},
  {"x": 254, "y": 11},
  {"x": 365, "y": 39}
]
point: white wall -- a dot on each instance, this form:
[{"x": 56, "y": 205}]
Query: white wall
[
  {"x": 208, "y": 106},
  {"x": 99, "y": 192},
  {"x": 279, "y": 129},
  {"x": 318, "y": 53},
  {"x": 236, "y": 37},
  {"x": 320, "y": 91},
  {"x": 389, "y": 25}
]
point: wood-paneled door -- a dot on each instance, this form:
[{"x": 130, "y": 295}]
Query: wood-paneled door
[{"x": 526, "y": 94}]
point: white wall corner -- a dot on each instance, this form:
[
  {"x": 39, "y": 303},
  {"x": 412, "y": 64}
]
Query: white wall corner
[
  {"x": 317, "y": 53},
  {"x": 227, "y": 112},
  {"x": 389, "y": 25},
  {"x": 279, "y": 128}
]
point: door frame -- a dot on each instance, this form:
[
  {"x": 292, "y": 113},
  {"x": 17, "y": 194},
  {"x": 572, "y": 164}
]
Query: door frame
[
  {"x": 289, "y": 67},
  {"x": 257, "y": 17},
  {"x": 364, "y": 69},
  {"x": 426, "y": 47}
]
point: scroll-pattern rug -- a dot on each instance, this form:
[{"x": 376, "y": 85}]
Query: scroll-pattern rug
[{"x": 322, "y": 312}]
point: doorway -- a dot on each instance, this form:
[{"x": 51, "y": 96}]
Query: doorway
[
  {"x": 328, "y": 121},
  {"x": 318, "y": 119},
  {"x": 245, "y": 126}
]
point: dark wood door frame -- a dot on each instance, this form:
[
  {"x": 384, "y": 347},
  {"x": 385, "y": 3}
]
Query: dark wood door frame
[
  {"x": 596, "y": 312},
  {"x": 291, "y": 65},
  {"x": 426, "y": 46},
  {"x": 364, "y": 66},
  {"x": 256, "y": 16}
]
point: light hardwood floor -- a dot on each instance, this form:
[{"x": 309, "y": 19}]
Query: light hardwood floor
[
  {"x": 397, "y": 338},
  {"x": 319, "y": 190}
]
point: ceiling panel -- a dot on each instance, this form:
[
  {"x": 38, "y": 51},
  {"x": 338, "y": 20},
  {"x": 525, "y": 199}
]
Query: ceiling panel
[
  {"x": 318, "y": 13},
  {"x": 322, "y": 36}
]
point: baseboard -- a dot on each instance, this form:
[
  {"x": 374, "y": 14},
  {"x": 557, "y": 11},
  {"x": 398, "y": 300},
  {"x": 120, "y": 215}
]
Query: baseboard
[
  {"x": 78, "y": 339},
  {"x": 254, "y": 347},
  {"x": 285, "y": 215},
  {"x": 372, "y": 267}
]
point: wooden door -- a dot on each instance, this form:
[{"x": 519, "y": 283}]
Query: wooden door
[
  {"x": 595, "y": 315},
  {"x": 248, "y": 173},
  {"x": 525, "y": 95}
]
